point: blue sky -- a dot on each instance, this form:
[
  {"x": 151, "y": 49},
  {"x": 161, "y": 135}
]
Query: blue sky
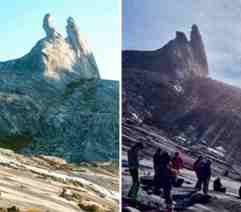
[
  {"x": 99, "y": 21},
  {"x": 149, "y": 24}
]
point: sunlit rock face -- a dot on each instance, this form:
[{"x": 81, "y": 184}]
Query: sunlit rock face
[
  {"x": 54, "y": 100},
  {"x": 55, "y": 58}
]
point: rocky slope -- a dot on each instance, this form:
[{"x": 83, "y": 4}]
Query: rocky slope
[
  {"x": 53, "y": 101},
  {"x": 170, "y": 88},
  {"x": 41, "y": 184},
  {"x": 133, "y": 131}
]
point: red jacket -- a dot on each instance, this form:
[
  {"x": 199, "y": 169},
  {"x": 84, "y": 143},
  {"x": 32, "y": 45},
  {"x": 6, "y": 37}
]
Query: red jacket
[{"x": 177, "y": 163}]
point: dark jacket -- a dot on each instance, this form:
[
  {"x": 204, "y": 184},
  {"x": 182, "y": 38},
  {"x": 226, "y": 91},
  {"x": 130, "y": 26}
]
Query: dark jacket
[
  {"x": 157, "y": 162},
  {"x": 133, "y": 159},
  {"x": 163, "y": 173},
  {"x": 204, "y": 169},
  {"x": 195, "y": 165}
]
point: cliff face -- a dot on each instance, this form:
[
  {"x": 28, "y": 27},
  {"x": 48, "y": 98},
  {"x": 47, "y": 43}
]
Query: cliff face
[
  {"x": 54, "y": 102},
  {"x": 160, "y": 76},
  {"x": 178, "y": 60},
  {"x": 170, "y": 88},
  {"x": 199, "y": 51}
]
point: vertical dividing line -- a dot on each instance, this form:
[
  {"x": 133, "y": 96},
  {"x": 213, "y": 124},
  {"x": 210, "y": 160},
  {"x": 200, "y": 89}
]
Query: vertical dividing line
[{"x": 120, "y": 104}]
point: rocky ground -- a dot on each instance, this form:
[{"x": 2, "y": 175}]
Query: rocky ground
[
  {"x": 41, "y": 184},
  {"x": 154, "y": 138},
  {"x": 219, "y": 202}
]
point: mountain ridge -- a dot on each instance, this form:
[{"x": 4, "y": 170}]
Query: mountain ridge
[
  {"x": 49, "y": 94},
  {"x": 171, "y": 89}
]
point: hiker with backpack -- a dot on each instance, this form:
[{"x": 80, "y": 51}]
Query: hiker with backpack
[
  {"x": 163, "y": 176},
  {"x": 203, "y": 171},
  {"x": 133, "y": 164}
]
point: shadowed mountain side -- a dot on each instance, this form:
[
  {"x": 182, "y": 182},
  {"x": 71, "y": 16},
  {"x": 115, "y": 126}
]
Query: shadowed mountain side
[
  {"x": 179, "y": 59},
  {"x": 170, "y": 88}
]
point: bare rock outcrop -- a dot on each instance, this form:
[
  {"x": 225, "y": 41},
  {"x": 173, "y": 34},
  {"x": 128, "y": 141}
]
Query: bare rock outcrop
[
  {"x": 55, "y": 59},
  {"x": 75, "y": 38},
  {"x": 179, "y": 60},
  {"x": 53, "y": 96},
  {"x": 199, "y": 49},
  {"x": 49, "y": 27}
]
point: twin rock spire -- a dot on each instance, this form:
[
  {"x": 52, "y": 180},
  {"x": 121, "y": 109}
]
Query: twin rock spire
[
  {"x": 196, "y": 50},
  {"x": 73, "y": 36}
]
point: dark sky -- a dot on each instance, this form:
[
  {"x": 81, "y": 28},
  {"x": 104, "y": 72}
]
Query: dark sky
[{"x": 149, "y": 24}]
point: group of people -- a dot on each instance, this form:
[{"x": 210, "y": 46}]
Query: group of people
[
  {"x": 203, "y": 170},
  {"x": 166, "y": 171}
]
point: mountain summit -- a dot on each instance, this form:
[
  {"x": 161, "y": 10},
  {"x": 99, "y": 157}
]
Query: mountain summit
[
  {"x": 180, "y": 59},
  {"x": 56, "y": 58},
  {"x": 53, "y": 101}
]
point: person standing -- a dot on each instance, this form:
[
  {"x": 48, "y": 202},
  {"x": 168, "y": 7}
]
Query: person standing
[
  {"x": 177, "y": 162},
  {"x": 157, "y": 169},
  {"x": 195, "y": 169},
  {"x": 203, "y": 174},
  {"x": 133, "y": 165},
  {"x": 167, "y": 179},
  {"x": 164, "y": 177}
]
